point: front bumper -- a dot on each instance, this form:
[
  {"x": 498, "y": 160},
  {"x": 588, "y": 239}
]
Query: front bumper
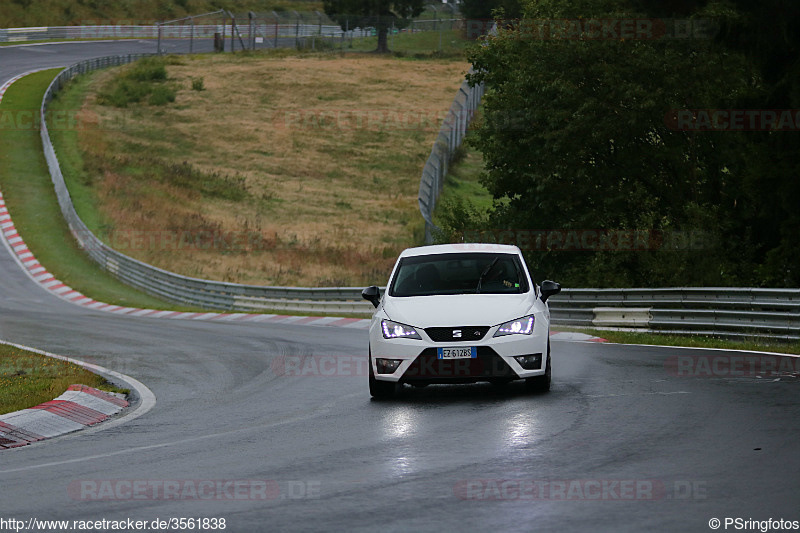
[{"x": 495, "y": 359}]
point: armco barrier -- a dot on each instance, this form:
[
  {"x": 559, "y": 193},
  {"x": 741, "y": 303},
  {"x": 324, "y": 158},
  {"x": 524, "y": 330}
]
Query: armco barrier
[
  {"x": 182, "y": 31},
  {"x": 729, "y": 312},
  {"x": 733, "y": 312}
]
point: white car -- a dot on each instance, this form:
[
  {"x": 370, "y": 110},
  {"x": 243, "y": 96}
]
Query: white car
[{"x": 459, "y": 313}]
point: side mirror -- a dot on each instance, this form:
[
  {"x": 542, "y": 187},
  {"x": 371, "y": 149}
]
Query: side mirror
[
  {"x": 549, "y": 288},
  {"x": 372, "y": 294}
]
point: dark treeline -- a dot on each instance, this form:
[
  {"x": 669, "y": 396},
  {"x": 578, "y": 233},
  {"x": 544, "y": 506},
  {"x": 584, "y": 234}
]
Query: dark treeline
[
  {"x": 643, "y": 143},
  {"x": 29, "y": 13}
]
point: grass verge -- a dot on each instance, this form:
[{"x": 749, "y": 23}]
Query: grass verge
[
  {"x": 425, "y": 44},
  {"x": 462, "y": 182},
  {"x": 28, "y": 379},
  {"x": 31, "y": 201}
]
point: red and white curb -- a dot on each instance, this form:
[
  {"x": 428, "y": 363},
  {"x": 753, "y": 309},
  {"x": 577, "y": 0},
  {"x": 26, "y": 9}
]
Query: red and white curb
[
  {"x": 38, "y": 273},
  {"x": 79, "y": 407}
]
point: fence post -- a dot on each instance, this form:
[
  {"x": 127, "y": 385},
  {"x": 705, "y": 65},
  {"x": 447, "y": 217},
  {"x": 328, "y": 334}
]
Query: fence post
[
  {"x": 276, "y": 29},
  {"x": 224, "y": 27},
  {"x": 233, "y": 31},
  {"x": 296, "y": 29},
  {"x": 252, "y": 30}
]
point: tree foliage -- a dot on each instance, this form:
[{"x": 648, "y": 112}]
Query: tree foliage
[
  {"x": 380, "y": 14},
  {"x": 26, "y": 13},
  {"x": 579, "y": 133},
  {"x": 485, "y": 9}
]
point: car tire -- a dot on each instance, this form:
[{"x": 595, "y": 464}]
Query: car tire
[
  {"x": 541, "y": 384},
  {"x": 380, "y": 390}
]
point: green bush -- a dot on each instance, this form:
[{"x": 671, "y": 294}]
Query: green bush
[
  {"x": 147, "y": 69},
  {"x": 123, "y": 92},
  {"x": 162, "y": 95},
  {"x": 144, "y": 80}
]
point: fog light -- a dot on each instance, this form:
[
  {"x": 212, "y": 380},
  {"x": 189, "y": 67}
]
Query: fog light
[
  {"x": 387, "y": 366},
  {"x": 530, "y": 362}
]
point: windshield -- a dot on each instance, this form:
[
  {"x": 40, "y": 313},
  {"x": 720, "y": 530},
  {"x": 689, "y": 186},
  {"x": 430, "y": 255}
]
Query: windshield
[{"x": 467, "y": 273}]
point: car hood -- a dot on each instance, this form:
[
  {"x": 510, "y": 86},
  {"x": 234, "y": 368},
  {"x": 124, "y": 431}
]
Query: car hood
[{"x": 458, "y": 309}]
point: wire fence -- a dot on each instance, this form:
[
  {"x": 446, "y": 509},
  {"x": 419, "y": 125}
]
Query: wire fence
[
  {"x": 450, "y": 137},
  {"x": 250, "y": 31}
]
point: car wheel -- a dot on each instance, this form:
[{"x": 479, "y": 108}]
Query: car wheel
[
  {"x": 381, "y": 390},
  {"x": 541, "y": 384}
]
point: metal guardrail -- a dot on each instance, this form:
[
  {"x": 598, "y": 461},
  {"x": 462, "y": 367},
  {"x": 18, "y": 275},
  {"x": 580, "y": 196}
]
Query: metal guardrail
[
  {"x": 183, "y": 31},
  {"x": 450, "y": 137},
  {"x": 728, "y": 312},
  {"x": 266, "y": 27}
]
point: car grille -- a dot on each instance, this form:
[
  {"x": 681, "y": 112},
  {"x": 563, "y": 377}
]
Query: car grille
[
  {"x": 427, "y": 368},
  {"x": 468, "y": 333}
]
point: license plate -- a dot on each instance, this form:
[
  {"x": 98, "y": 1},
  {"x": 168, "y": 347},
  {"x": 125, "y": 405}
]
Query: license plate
[{"x": 457, "y": 353}]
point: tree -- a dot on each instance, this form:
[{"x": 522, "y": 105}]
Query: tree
[
  {"x": 380, "y": 14},
  {"x": 577, "y": 134},
  {"x": 484, "y": 9},
  {"x": 480, "y": 14}
]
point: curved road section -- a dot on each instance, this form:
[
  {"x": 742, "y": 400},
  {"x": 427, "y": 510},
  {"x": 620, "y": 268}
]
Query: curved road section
[{"x": 269, "y": 427}]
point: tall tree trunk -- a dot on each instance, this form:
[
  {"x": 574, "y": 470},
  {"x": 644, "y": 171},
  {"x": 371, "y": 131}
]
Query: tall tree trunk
[{"x": 383, "y": 42}]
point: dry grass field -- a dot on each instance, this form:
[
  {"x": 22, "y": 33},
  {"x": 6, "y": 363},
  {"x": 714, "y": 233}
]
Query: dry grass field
[{"x": 297, "y": 171}]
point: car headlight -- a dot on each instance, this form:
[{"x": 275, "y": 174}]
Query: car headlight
[
  {"x": 520, "y": 326},
  {"x": 395, "y": 330}
]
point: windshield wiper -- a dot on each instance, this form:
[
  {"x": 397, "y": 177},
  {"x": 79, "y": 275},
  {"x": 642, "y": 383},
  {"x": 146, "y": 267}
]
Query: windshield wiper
[{"x": 485, "y": 273}]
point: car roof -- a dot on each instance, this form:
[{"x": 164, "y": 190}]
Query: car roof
[{"x": 466, "y": 247}]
